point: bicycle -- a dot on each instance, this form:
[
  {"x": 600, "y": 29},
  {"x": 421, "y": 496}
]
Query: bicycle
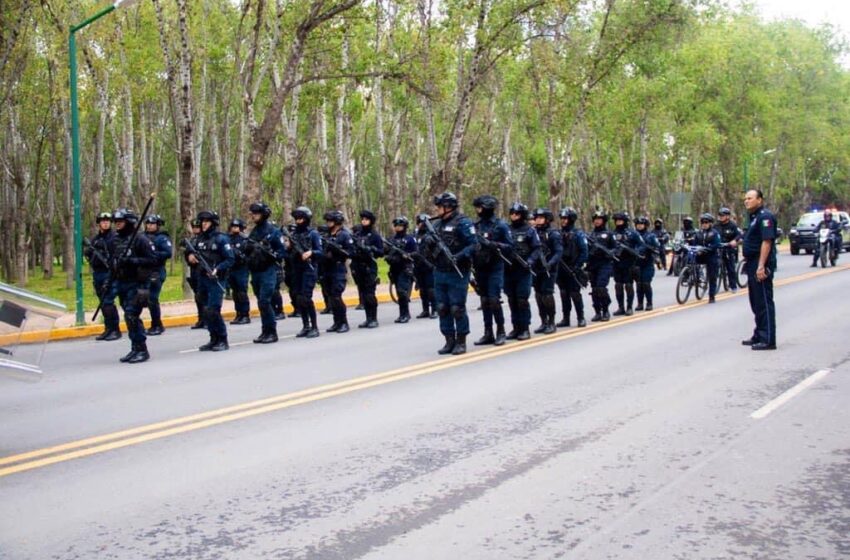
[
  {"x": 742, "y": 272},
  {"x": 693, "y": 275},
  {"x": 726, "y": 254}
]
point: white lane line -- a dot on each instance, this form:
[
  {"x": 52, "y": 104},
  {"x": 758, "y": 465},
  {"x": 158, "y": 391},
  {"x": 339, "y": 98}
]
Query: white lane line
[
  {"x": 232, "y": 344},
  {"x": 789, "y": 394}
]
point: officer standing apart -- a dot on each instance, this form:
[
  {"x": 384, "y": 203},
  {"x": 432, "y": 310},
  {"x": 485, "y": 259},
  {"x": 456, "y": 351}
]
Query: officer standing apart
[
  {"x": 364, "y": 267},
  {"x": 760, "y": 254},
  {"x": 401, "y": 265},
  {"x": 215, "y": 257},
  {"x": 339, "y": 248},
  {"x": 423, "y": 270},
  {"x": 709, "y": 239},
  {"x": 494, "y": 241},
  {"x": 262, "y": 254},
  {"x": 305, "y": 248},
  {"x": 571, "y": 275},
  {"x": 134, "y": 260},
  {"x": 519, "y": 273},
  {"x": 98, "y": 253},
  {"x": 600, "y": 265},
  {"x": 646, "y": 264},
  {"x": 237, "y": 279},
  {"x": 164, "y": 250},
  {"x": 730, "y": 236},
  {"x": 546, "y": 268},
  {"x": 456, "y": 234}
]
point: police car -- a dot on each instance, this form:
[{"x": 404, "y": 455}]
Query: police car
[{"x": 803, "y": 236}]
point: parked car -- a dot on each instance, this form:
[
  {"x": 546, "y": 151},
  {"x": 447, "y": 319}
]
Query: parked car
[{"x": 802, "y": 234}]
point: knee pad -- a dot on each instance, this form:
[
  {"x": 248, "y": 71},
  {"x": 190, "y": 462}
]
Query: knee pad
[
  {"x": 443, "y": 310},
  {"x": 458, "y": 311}
]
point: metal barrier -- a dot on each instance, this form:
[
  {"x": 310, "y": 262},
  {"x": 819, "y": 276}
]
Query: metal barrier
[{"x": 26, "y": 319}]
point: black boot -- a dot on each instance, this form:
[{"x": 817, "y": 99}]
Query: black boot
[
  {"x": 333, "y": 328},
  {"x": 209, "y": 345},
  {"x": 241, "y": 320},
  {"x": 565, "y": 322},
  {"x": 449, "y": 346},
  {"x": 460, "y": 345},
  {"x": 523, "y": 334},
  {"x": 155, "y": 330},
  {"x": 109, "y": 335},
  {"x": 606, "y": 316},
  {"x": 343, "y": 328},
  {"x": 313, "y": 332},
  {"x": 141, "y": 354},
  {"x": 220, "y": 344},
  {"x": 581, "y": 322},
  {"x": 424, "y": 314},
  {"x": 129, "y": 355},
  {"x": 198, "y": 325},
  {"x": 488, "y": 338},
  {"x": 500, "y": 336},
  {"x": 596, "y": 316},
  {"x": 513, "y": 334}
]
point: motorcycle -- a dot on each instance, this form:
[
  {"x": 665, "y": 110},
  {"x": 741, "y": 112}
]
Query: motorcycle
[{"x": 826, "y": 247}]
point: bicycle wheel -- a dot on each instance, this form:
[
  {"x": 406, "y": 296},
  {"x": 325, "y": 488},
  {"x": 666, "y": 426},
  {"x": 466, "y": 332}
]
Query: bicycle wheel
[
  {"x": 683, "y": 286},
  {"x": 724, "y": 276},
  {"x": 742, "y": 273},
  {"x": 701, "y": 282},
  {"x": 393, "y": 294}
]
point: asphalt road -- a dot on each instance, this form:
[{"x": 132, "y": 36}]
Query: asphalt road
[{"x": 632, "y": 439}]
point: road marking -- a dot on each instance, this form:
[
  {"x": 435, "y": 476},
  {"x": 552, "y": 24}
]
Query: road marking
[
  {"x": 98, "y": 444},
  {"x": 242, "y": 343},
  {"x": 789, "y": 394}
]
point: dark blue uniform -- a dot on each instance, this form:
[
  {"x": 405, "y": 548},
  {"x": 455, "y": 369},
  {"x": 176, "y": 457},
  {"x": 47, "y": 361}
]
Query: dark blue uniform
[
  {"x": 238, "y": 278},
  {"x": 401, "y": 270},
  {"x": 450, "y": 289},
  {"x": 834, "y": 228},
  {"x": 546, "y": 270},
  {"x": 338, "y": 248},
  {"x": 599, "y": 267},
  {"x": 709, "y": 239},
  {"x": 762, "y": 228},
  {"x": 494, "y": 237},
  {"x": 518, "y": 276},
  {"x": 99, "y": 257},
  {"x": 423, "y": 271},
  {"x": 663, "y": 237},
  {"x": 305, "y": 273},
  {"x": 626, "y": 269},
  {"x": 571, "y": 275},
  {"x": 729, "y": 232},
  {"x": 133, "y": 266},
  {"x": 214, "y": 247},
  {"x": 263, "y": 255},
  {"x": 646, "y": 267},
  {"x": 164, "y": 251},
  {"x": 364, "y": 269},
  {"x": 192, "y": 280}
]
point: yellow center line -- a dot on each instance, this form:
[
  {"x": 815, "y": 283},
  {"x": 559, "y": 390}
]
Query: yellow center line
[{"x": 98, "y": 444}]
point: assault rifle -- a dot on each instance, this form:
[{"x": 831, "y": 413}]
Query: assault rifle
[
  {"x": 335, "y": 246},
  {"x": 295, "y": 244},
  {"x": 441, "y": 245},
  {"x": 205, "y": 266},
  {"x": 623, "y": 248},
  {"x": 393, "y": 248},
  {"x": 490, "y": 244},
  {"x": 604, "y": 250}
]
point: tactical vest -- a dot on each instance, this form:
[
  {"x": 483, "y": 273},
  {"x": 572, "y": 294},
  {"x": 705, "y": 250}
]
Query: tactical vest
[
  {"x": 210, "y": 247},
  {"x": 259, "y": 259},
  {"x": 522, "y": 240},
  {"x": 238, "y": 242},
  {"x": 571, "y": 248},
  {"x": 100, "y": 243}
]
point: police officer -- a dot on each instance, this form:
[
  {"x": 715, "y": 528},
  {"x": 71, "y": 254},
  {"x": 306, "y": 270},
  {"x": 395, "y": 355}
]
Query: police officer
[
  {"x": 262, "y": 254},
  {"x": 546, "y": 268},
  {"x": 304, "y": 246},
  {"x": 134, "y": 260},
  {"x": 98, "y": 254},
  {"x": 631, "y": 248},
  {"x": 454, "y": 248},
  {"x": 164, "y": 251},
  {"x": 338, "y": 248},
  {"x": 688, "y": 232},
  {"x": 600, "y": 265},
  {"x": 646, "y": 263},
  {"x": 423, "y": 270},
  {"x": 834, "y": 231},
  {"x": 400, "y": 258},
  {"x": 663, "y": 237},
  {"x": 730, "y": 236},
  {"x": 323, "y": 276},
  {"x": 194, "y": 274},
  {"x": 364, "y": 267},
  {"x": 494, "y": 242},
  {"x": 571, "y": 275},
  {"x": 237, "y": 279},
  {"x": 284, "y": 278},
  {"x": 760, "y": 255},
  {"x": 518, "y": 275},
  {"x": 708, "y": 238},
  {"x": 215, "y": 258}
]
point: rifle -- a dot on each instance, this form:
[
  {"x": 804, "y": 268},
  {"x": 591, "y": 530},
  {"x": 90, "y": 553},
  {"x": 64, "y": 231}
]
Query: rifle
[
  {"x": 604, "y": 250},
  {"x": 205, "y": 266},
  {"x": 335, "y": 246},
  {"x": 295, "y": 244},
  {"x": 120, "y": 260},
  {"x": 393, "y": 248},
  {"x": 262, "y": 248},
  {"x": 628, "y": 250},
  {"x": 492, "y": 244},
  {"x": 441, "y": 245},
  {"x": 88, "y": 245},
  {"x": 568, "y": 269}
]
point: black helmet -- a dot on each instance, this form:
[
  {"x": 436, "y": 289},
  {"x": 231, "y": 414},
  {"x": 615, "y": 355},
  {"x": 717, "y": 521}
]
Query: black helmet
[
  {"x": 545, "y": 212},
  {"x": 485, "y": 201},
  {"x": 569, "y": 213},
  {"x": 302, "y": 212},
  {"x": 368, "y": 214},
  {"x": 103, "y": 216},
  {"x": 323, "y": 229},
  {"x": 687, "y": 221},
  {"x": 706, "y": 219},
  {"x": 827, "y": 214},
  {"x": 446, "y": 200},
  {"x": 334, "y": 216},
  {"x": 422, "y": 218},
  {"x": 642, "y": 220},
  {"x": 208, "y": 215},
  {"x": 401, "y": 221},
  {"x": 600, "y": 214},
  {"x": 724, "y": 211},
  {"x": 237, "y": 223},
  {"x": 659, "y": 222},
  {"x": 126, "y": 215},
  {"x": 621, "y": 216},
  {"x": 519, "y": 208},
  {"x": 155, "y": 219},
  {"x": 261, "y": 209},
  {"x": 196, "y": 223}
]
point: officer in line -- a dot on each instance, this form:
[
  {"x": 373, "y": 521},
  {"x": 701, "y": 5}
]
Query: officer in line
[
  {"x": 401, "y": 265},
  {"x": 323, "y": 276},
  {"x": 760, "y": 254},
  {"x": 646, "y": 264},
  {"x": 494, "y": 242},
  {"x": 546, "y": 268},
  {"x": 571, "y": 275},
  {"x": 263, "y": 253},
  {"x": 625, "y": 268},
  {"x": 423, "y": 270},
  {"x": 708, "y": 238},
  {"x": 518, "y": 275},
  {"x": 688, "y": 233},
  {"x": 214, "y": 256},
  {"x": 600, "y": 265},
  {"x": 194, "y": 274},
  {"x": 364, "y": 267},
  {"x": 730, "y": 236},
  {"x": 133, "y": 264},
  {"x": 663, "y": 237},
  {"x": 339, "y": 248},
  {"x": 164, "y": 251},
  {"x": 98, "y": 253},
  {"x": 285, "y": 272},
  {"x": 834, "y": 228},
  {"x": 456, "y": 234},
  {"x": 305, "y": 249},
  {"x": 237, "y": 279}
]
